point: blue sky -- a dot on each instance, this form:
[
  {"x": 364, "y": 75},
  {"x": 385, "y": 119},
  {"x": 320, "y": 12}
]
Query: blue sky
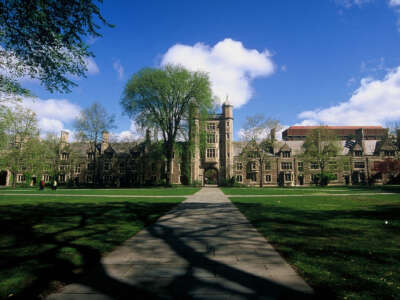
[{"x": 333, "y": 62}]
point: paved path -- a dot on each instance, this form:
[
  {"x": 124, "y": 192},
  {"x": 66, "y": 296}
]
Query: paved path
[{"x": 203, "y": 249}]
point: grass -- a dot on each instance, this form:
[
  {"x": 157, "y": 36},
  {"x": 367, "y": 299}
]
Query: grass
[
  {"x": 310, "y": 190},
  {"x": 341, "y": 245},
  {"x": 180, "y": 191},
  {"x": 54, "y": 239}
]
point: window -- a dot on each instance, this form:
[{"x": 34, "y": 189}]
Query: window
[
  {"x": 239, "y": 166},
  {"x": 107, "y": 166},
  {"x": 211, "y": 126},
  {"x": 46, "y": 178},
  {"x": 107, "y": 178},
  {"x": 62, "y": 168},
  {"x": 21, "y": 178},
  {"x": 227, "y": 136},
  {"x": 211, "y": 152},
  {"x": 268, "y": 178},
  {"x": 62, "y": 178},
  {"x": 359, "y": 165},
  {"x": 64, "y": 156},
  {"x": 314, "y": 165},
  {"x": 288, "y": 177},
  {"x": 78, "y": 169},
  {"x": 358, "y": 153},
  {"x": 389, "y": 153},
  {"x": 122, "y": 166},
  {"x": 133, "y": 166},
  {"x": 300, "y": 166},
  {"x": 346, "y": 166},
  {"x": 314, "y": 178},
  {"x": 153, "y": 167},
  {"x": 239, "y": 178},
  {"x": 252, "y": 176},
  {"x": 90, "y": 155},
  {"x": 268, "y": 165},
  {"x": 253, "y": 165},
  {"x": 211, "y": 138},
  {"x": 286, "y": 154},
  {"x": 89, "y": 179},
  {"x": 332, "y": 165},
  {"x": 286, "y": 166},
  {"x": 227, "y": 123}
]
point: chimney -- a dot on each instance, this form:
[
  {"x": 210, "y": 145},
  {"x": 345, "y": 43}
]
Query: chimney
[
  {"x": 105, "y": 137},
  {"x": 64, "y": 136},
  {"x": 272, "y": 134}
]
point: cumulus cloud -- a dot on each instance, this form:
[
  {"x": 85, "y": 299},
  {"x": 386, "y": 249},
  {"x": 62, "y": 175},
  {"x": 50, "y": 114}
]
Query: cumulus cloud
[
  {"x": 119, "y": 68},
  {"x": 91, "y": 66},
  {"x": 394, "y": 3},
  {"x": 132, "y": 134},
  {"x": 231, "y": 66},
  {"x": 52, "y": 114},
  {"x": 350, "y": 3},
  {"x": 375, "y": 102}
]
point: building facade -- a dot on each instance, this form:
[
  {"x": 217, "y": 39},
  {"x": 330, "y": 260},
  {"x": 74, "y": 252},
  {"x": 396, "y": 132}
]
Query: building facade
[{"x": 139, "y": 163}]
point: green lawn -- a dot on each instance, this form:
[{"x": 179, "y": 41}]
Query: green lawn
[
  {"x": 52, "y": 239},
  {"x": 309, "y": 190},
  {"x": 346, "y": 247},
  {"x": 179, "y": 191}
]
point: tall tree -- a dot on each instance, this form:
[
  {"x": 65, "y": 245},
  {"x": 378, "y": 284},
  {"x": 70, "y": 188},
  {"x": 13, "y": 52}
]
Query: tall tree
[
  {"x": 320, "y": 147},
  {"x": 23, "y": 153},
  {"x": 161, "y": 98},
  {"x": 45, "y": 39},
  {"x": 89, "y": 126},
  {"x": 258, "y": 136},
  {"x": 389, "y": 167}
]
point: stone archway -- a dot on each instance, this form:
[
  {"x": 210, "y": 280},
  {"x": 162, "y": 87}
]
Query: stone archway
[
  {"x": 3, "y": 177},
  {"x": 211, "y": 176}
]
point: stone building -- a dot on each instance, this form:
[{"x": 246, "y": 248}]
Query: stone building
[{"x": 130, "y": 164}]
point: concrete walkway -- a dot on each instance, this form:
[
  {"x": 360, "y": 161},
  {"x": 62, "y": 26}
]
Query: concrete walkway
[{"x": 203, "y": 249}]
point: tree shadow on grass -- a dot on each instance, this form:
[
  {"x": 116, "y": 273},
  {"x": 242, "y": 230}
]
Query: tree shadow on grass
[
  {"x": 339, "y": 251},
  {"x": 77, "y": 227},
  {"x": 60, "y": 241}
]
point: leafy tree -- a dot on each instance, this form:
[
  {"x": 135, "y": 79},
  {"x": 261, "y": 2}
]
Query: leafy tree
[
  {"x": 23, "y": 153},
  {"x": 89, "y": 126},
  {"x": 258, "y": 141},
  {"x": 389, "y": 167},
  {"x": 44, "y": 39},
  {"x": 319, "y": 147},
  {"x": 161, "y": 98}
]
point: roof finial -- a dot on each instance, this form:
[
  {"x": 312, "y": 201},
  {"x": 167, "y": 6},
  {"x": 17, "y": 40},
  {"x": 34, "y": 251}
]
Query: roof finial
[{"x": 227, "y": 100}]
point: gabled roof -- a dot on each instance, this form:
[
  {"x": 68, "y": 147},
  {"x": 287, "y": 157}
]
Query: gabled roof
[
  {"x": 285, "y": 147},
  {"x": 357, "y": 147}
]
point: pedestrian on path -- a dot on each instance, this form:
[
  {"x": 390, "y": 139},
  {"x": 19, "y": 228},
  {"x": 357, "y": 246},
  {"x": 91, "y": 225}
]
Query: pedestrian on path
[
  {"x": 54, "y": 187},
  {"x": 41, "y": 184}
]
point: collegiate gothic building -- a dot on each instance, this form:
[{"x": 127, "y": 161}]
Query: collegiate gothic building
[{"x": 128, "y": 164}]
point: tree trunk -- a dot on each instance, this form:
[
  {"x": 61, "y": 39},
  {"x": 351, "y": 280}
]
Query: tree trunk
[
  {"x": 14, "y": 180},
  {"x": 169, "y": 154}
]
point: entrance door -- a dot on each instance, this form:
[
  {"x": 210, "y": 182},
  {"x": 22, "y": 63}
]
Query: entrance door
[{"x": 211, "y": 176}]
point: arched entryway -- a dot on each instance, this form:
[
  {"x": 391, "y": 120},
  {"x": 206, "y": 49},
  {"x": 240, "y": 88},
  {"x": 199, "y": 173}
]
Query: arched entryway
[
  {"x": 3, "y": 177},
  {"x": 211, "y": 176}
]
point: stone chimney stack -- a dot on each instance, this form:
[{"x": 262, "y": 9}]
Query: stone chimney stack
[
  {"x": 105, "y": 140},
  {"x": 273, "y": 134},
  {"x": 64, "y": 136},
  {"x": 227, "y": 109}
]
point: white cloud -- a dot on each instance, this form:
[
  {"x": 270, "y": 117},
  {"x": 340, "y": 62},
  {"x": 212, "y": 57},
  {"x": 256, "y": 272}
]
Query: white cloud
[
  {"x": 350, "y": 3},
  {"x": 394, "y": 3},
  {"x": 374, "y": 102},
  {"x": 231, "y": 66},
  {"x": 119, "y": 68},
  {"x": 91, "y": 66},
  {"x": 52, "y": 114}
]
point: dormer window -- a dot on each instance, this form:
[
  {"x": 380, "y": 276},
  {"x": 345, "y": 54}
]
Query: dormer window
[
  {"x": 64, "y": 156},
  {"x": 286, "y": 154},
  {"x": 211, "y": 126},
  {"x": 358, "y": 153}
]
